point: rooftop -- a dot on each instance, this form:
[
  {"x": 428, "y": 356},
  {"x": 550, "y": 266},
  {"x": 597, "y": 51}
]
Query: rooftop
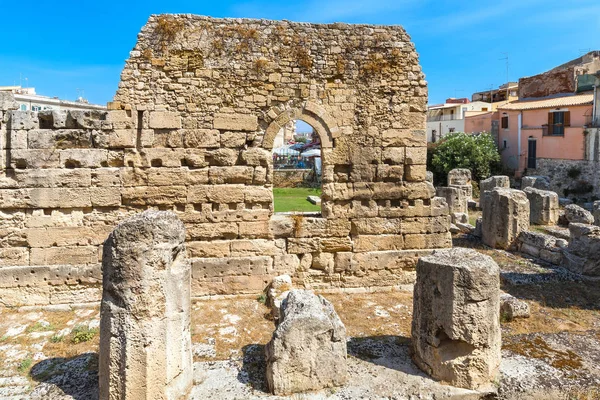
[{"x": 550, "y": 102}]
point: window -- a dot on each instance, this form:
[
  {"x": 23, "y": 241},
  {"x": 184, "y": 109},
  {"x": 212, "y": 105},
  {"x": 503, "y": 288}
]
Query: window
[
  {"x": 504, "y": 144},
  {"x": 504, "y": 121},
  {"x": 557, "y": 120},
  {"x": 451, "y": 130},
  {"x": 23, "y": 107},
  {"x": 484, "y": 109},
  {"x": 36, "y": 108}
]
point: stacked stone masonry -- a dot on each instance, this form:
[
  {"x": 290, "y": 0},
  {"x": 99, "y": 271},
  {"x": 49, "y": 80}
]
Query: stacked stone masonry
[{"x": 191, "y": 130}]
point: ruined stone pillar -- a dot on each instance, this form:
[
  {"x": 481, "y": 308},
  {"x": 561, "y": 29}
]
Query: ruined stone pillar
[
  {"x": 308, "y": 349},
  {"x": 145, "y": 341},
  {"x": 543, "y": 206},
  {"x": 455, "y": 326},
  {"x": 461, "y": 178},
  {"x": 505, "y": 215}
]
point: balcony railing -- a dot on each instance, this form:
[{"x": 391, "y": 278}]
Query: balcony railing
[
  {"x": 553, "y": 130},
  {"x": 437, "y": 118}
]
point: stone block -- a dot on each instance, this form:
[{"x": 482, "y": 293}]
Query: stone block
[
  {"x": 308, "y": 348},
  {"x": 220, "y": 267},
  {"x": 64, "y": 255},
  {"x": 492, "y": 182},
  {"x": 145, "y": 339},
  {"x": 201, "y": 138},
  {"x": 164, "y": 120},
  {"x": 34, "y": 159},
  {"x": 511, "y": 308},
  {"x": 84, "y": 158},
  {"x": 235, "y": 122},
  {"x": 415, "y": 173},
  {"x": 505, "y": 216},
  {"x": 455, "y": 327},
  {"x": 543, "y": 205},
  {"x": 25, "y": 120},
  {"x": 404, "y": 137},
  {"x": 459, "y": 177},
  {"x": 154, "y": 195},
  {"x": 596, "y": 212},
  {"x": 455, "y": 198},
  {"x": 579, "y": 215},
  {"x": 105, "y": 196},
  {"x": 416, "y": 155},
  {"x": 537, "y": 182}
]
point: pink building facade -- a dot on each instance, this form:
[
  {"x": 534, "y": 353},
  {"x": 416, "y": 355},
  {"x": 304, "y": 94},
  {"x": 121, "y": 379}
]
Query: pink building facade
[{"x": 552, "y": 128}]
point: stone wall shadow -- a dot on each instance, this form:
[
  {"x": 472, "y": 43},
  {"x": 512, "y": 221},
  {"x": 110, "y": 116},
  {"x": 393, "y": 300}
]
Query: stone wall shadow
[
  {"x": 253, "y": 371},
  {"x": 389, "y": 351},
  {"x": 74, "y": 376}
]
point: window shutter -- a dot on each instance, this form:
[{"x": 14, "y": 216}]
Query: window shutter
[
  {"x": 550, "y": 118},
  {"x": 567, "y": 118}
]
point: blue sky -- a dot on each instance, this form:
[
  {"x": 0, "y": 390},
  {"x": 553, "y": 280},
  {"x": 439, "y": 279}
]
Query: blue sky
[{"x": 76, "y": 46}]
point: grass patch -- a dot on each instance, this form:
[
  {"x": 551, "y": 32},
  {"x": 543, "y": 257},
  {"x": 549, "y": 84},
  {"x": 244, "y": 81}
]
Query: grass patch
[
  {"x": 294, "y": 199},
  {"x": 82, "y": 334},
  {"x": 25, "y": 364},
  {"x": 40, "y": 327}
]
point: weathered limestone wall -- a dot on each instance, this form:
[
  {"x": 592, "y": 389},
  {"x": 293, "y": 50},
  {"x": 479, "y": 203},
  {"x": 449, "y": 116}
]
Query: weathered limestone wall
[
  {"x": 573, "y": 179},
  {"x": 191, "y": 129}
]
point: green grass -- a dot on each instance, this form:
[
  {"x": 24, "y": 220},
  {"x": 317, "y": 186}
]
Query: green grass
[{"x": 294, "y": 199}]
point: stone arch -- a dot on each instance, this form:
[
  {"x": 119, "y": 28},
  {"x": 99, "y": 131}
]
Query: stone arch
[{"x": 309, "y": 112}]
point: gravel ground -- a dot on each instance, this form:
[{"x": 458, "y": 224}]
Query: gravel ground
[{"x": 555, "y": 354}]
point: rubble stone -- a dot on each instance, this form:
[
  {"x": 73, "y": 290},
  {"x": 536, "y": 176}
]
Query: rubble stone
[
  {"x": 505, "y": 215},
  {"x": 455, "y": 327},
  {"x": 543, "y": 205},
  {"x": 511, "y": 308},
  {"x": 145, "y": 340},
  {"x": 308, "y": 348},
  {"x": 456, "y": 200},
  {"x": 576, "y": 214}
]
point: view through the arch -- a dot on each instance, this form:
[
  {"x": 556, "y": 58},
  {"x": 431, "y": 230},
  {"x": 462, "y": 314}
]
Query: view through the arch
[{"x": 297, "y": 168}]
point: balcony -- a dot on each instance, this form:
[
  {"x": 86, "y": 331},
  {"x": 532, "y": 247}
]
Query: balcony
[
  {"x": 438, "y": 118},
  {"x": 553, "y": 130}
]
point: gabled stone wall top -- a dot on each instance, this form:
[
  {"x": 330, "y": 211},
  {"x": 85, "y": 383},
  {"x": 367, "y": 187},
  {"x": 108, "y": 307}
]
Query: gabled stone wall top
[{"x": 191, "y": 130}]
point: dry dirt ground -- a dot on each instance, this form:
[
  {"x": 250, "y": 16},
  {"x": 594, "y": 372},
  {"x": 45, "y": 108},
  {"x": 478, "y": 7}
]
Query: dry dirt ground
[{"x": 555, "y": 354}]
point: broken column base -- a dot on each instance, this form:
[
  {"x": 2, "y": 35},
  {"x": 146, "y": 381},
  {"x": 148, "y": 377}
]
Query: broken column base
[{"x": 455, "y": 327}]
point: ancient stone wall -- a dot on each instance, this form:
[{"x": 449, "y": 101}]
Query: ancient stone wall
[
  {"x": 578, "y": 180},
  {"x": 548, "y": 83},
  {"x": 191, "y": 130}
]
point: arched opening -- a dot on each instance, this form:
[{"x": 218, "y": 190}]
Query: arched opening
[{"x": 297, "y": 168}]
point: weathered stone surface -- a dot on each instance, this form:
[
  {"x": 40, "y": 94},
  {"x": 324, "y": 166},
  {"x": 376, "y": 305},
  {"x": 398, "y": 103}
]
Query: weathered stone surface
[
  {"x": 537, "y": 182},
  {"x": 511, "y": 308},
  {"x": 596, "y": 212},
  {"x": 164, "y": 120},
  {"x": 505, "y": 215},
  {"x": 459, "y": 176},
  {"x": 579, "y": 215},
  {"x": 308, "y": 349},
  {"x": 455, "y": 328},
  {"x": 456, "y": 199},
  {"x": 583, "y": 254},
  {"x": 279, "y": 288},
  {"x": 543, "y": 205},
  {"x": 145, "y": 340},
  {"x": 493, "y": 182}
]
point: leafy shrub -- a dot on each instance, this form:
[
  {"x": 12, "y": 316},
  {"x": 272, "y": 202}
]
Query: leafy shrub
[{"x": 460, "y": 150}]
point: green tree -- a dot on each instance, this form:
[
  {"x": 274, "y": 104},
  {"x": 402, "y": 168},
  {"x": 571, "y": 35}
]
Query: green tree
[{"x": 460, "y": 150}]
